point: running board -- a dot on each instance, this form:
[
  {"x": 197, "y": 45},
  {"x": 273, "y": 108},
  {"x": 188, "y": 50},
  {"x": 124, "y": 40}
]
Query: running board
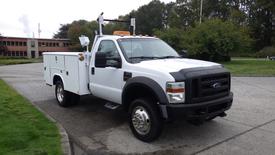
[{"x": 112, "y": 106}]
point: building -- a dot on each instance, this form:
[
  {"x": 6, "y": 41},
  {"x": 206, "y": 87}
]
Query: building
[{"x": 31, "y": 47}]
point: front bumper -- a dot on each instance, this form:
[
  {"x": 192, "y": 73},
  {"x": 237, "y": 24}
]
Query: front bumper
[{"x": 200, "y": 111}]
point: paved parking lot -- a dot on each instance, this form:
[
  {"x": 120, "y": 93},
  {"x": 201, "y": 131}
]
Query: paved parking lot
[{"x": 249, "y": 127}]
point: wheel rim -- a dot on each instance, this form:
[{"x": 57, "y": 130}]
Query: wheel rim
[
  {"x": 60, "y": 93},
  {"x": 141, "y": 120}
]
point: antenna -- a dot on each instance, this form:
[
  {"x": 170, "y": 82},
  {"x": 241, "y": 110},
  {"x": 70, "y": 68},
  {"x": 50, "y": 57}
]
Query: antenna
[{"x": 39, "y": 30}]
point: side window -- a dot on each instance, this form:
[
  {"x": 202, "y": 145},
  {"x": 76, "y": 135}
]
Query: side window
[{"x": 108, "y": 47}]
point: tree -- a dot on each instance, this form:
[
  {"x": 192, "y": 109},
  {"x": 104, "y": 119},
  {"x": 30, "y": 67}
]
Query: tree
[
  {"x": 78, "y": 28},
  {"x": 215, "y": 40},
  {"x": 261, "y": 18},
  {"x": 173, "y": 36},
  {"x": 149, "y": 17},
  {"x": 63, "y": 31}
]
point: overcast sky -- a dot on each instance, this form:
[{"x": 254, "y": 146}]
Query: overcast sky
[{"x": 20, "y": 18}]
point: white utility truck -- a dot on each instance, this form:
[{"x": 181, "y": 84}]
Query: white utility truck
[{"x": 144, "y": 76}]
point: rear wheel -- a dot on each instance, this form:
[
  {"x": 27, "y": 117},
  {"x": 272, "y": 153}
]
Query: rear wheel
[
  {"x": 63, "y": 97},
  {"x": 145, "y": 120}
]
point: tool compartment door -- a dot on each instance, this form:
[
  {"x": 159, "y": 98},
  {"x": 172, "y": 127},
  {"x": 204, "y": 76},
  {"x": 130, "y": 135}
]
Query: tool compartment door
[
  {"x": 47, "y": 69},
  {"x": 71, "y": 74}
]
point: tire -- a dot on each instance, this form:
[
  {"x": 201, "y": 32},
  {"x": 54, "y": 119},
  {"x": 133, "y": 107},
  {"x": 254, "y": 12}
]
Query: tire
[
  {"x": 145, "y": 120},
  {"x": 74, "y": 99},
  {"x": 210, "y": 118},
  {"x": 63, "y": 97}
]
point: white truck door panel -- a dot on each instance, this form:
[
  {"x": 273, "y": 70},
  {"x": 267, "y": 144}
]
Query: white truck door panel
[
  {"x": 58, "y": 62},
  {"x": 106, "y": 83},
  {"x": 71, "y": 74},
  {"x": 47, "y": 69}
]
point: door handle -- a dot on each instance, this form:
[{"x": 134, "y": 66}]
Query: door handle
[{"x": 92, "y": 70}]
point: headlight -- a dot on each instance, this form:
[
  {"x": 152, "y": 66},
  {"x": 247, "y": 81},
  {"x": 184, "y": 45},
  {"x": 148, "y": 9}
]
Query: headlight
[{"x": 175, "y": 92}]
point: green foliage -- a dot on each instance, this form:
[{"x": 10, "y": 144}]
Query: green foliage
[
  {"x": 253, "y": 17},
  {"x": 250, "y": 67},
  {"x": 78, "y": 28},
  {"x": 172, "y": 36},
  {"x": 63, "y": 31},
  {"x": 23, "y": 129},
  {"x": 215, "y": 40},
  {"x": 267, "y": 51},
  {"x": 19, "y": 60},
  {"x": 149, "y": 17}
]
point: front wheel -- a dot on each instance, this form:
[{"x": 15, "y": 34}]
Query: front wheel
[{"x": 145, "y": 120}]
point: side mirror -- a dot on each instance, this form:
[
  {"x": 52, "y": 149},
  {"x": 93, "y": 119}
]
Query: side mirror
[
  {"x": 183, "y": 53},
  {"x": 113, "y": 62},
  {"x": 100, "y": 60}
]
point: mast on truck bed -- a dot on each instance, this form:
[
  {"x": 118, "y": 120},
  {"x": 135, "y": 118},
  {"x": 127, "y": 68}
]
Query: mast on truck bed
[{"x": 101, "y": 20}]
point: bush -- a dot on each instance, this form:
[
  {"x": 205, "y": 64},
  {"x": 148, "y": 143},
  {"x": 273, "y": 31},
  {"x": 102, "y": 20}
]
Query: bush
[
  {"x": 215, "y": 40},
  {"x": 172, "y": 36},
  {"x": 267, "y": 51}
]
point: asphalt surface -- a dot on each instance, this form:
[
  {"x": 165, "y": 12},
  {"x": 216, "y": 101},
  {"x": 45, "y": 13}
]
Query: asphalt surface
[{"x": 249, "y": 127}]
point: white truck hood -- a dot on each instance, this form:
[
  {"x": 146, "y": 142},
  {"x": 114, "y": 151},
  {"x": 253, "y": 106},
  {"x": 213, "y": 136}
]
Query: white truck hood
[{"x": 174, "y": 65}]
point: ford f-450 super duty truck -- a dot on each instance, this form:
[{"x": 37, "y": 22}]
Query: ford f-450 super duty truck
[{"x": 144, "y": 76}]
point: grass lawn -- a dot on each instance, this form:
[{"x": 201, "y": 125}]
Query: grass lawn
[
  {"x": 23, "y": 129},
  {"x": 253, "y": 67},
  {"x": 13, "y": 61}
]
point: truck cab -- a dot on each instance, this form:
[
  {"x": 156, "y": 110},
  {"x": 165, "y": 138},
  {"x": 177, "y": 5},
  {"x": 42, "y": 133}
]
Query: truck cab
[{"x": 144, "y": 76}]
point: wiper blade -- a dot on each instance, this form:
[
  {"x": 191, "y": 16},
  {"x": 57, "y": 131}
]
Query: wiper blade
[
  {"x": 143, "y": 57},
  {"x": 166, "y": 57}
]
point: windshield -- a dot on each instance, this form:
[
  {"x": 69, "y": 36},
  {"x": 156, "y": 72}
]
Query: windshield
[{"x": 140, "y": 49}]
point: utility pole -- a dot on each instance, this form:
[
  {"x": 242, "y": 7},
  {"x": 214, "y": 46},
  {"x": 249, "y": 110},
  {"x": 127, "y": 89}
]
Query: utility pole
[
  {"x": 39, "y": 30},
  {"x": 201, "y": 11}
]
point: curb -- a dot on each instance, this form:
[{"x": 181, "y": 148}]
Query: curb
[{"x": 65, "y": 142}]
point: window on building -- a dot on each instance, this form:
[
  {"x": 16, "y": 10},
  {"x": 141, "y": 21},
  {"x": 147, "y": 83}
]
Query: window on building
[
  {"x": 4, "y": 43},
  {"x": 12, "y": 53},
  {"x": 12, "y": 43},
  {"x": 40, "y": 53},
  {"x": 50, "y": 44},
  {"x": 17, "y": 53},
  {"x": 8, "y": 43},
  {"x": 25, "y": 53},
  {"x": 39, "y": 44},
  {"x": 1, "y": 43},
  {"x": 47, "y": 44},
  {"x": 9, "y": 53},
  {"x": 20, "y": 44},
  {"x": 16, "y": 43},
  {"x": 32, "y": 43},
  {"x": 24, "y": 43},
  {"x": 21, "y": 53}
]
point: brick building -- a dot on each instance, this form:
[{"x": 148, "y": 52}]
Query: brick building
[{"x": 31, "y": 47}]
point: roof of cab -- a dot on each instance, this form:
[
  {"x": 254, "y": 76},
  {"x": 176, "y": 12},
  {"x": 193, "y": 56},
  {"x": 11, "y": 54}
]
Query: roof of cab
[{"x": 119, "y": 37}]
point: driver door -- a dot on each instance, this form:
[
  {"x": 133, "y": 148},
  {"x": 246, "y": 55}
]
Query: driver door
[{"x": 106, "y": 82}]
